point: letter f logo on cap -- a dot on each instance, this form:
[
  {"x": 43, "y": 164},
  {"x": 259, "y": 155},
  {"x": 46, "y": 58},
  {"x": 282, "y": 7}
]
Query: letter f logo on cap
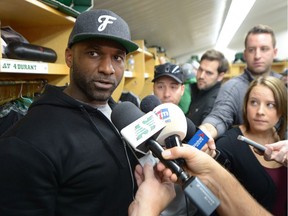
[{"x": 105, "y": 20}]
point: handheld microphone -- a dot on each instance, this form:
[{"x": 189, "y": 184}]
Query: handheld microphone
[
  {"x": 123, "y": 116},
  {"x": 191, "y": 130},
  {"x": 176, "y": 124},
  {"x": 136, "y": 133},
  {"x": 149, "y": 102},
  {"x": 252, "y": 143},
  {"x": 174, "y": 118},
  {"x": 199, "y": 139}
]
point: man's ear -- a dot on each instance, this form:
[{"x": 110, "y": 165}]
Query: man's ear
[
  {"x": 182, "y": 89},
  {"x": 244, "y": 54},
  {"x": 275, "y": 52},
  {"x": 68, "y": 57},
  {"x": 221, "y": 76}
]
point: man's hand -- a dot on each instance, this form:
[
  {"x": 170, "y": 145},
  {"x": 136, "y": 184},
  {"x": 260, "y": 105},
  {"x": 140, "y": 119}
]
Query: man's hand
[
  {"x": 276, "y": 151},
  {"x": 155, "y": 192}
]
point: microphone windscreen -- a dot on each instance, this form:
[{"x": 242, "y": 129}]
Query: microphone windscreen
[
  {"x": 119, "y": 115},
  {"x": 149, "y": 103},
  {"x": 174, "y": 119},
  {"x": 191, "y": 130}
]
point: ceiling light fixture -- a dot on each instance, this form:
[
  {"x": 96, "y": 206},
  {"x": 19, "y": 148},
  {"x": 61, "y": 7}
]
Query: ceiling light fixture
[{"x": 237, "y": 13}]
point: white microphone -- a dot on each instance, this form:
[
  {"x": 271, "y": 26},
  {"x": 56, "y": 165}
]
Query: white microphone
[
  {"x": 131, "y": 122},
  {"x": 141, "y": 130},
  {"x": 176, "y": 124},
  {"x": 137, "y": 128},
  {"x": 175, "y": 129},
  {"x": 150, "y": 102}
]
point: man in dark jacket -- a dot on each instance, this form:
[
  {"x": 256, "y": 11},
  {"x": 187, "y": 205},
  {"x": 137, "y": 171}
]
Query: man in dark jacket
[
  {"x": 213, "y": 66},
  {"x": 65, "y": 157}
]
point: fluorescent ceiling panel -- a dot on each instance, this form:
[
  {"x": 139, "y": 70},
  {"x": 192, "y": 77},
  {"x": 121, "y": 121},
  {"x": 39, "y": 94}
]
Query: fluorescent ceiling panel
[{"x": 237, "y": 13}]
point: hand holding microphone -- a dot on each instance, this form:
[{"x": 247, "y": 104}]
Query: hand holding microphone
[
  {"x": 176, "y": 130},
  {"x": 140, "y": 131},
  {"x": 143, "y": 133}
]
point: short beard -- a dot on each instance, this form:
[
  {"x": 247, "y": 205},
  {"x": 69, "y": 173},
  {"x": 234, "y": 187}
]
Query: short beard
[{"x": 87, "y": 87}]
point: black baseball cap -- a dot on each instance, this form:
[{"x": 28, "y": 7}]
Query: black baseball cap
[
  {"x": 172, "y": 70},
  {"x": 102, "y": 23}
]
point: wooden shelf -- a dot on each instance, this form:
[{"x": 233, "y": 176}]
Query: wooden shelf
[
  {"x": 138, "y": 81},
  {"x": 45, "y": 26},
  {"x": 151, "y": 61},
  {"x": 31, "y": 13},
  {"x": 237, "y": 69},
  {"x": 129, "y": 74},
  {"x": 41, "y": 25},
  {"x": 32, "y": 67}
]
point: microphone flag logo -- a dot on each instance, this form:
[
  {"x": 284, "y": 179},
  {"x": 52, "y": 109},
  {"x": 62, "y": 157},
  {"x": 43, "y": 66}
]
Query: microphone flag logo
[
  {"x": 164, "y": 115},
  {"x": 143, "y": 128},
  {"x": 199, "y": 139}
]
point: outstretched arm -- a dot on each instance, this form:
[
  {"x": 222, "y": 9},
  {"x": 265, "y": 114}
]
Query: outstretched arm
[
  {"x": 235, "y": 200},
  {"x": 209, "y": 129}
]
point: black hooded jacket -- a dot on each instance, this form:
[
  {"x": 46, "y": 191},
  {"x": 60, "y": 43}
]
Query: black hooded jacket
[
  {"x": 65, "y": 158},
  {"x": 202, "y": 102}
]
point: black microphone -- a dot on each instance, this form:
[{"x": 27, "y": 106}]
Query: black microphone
[
  {"x": 149, "y": 102},
  {"x": 140, "y": 132},
  {"x": 191, "y": 130}
]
